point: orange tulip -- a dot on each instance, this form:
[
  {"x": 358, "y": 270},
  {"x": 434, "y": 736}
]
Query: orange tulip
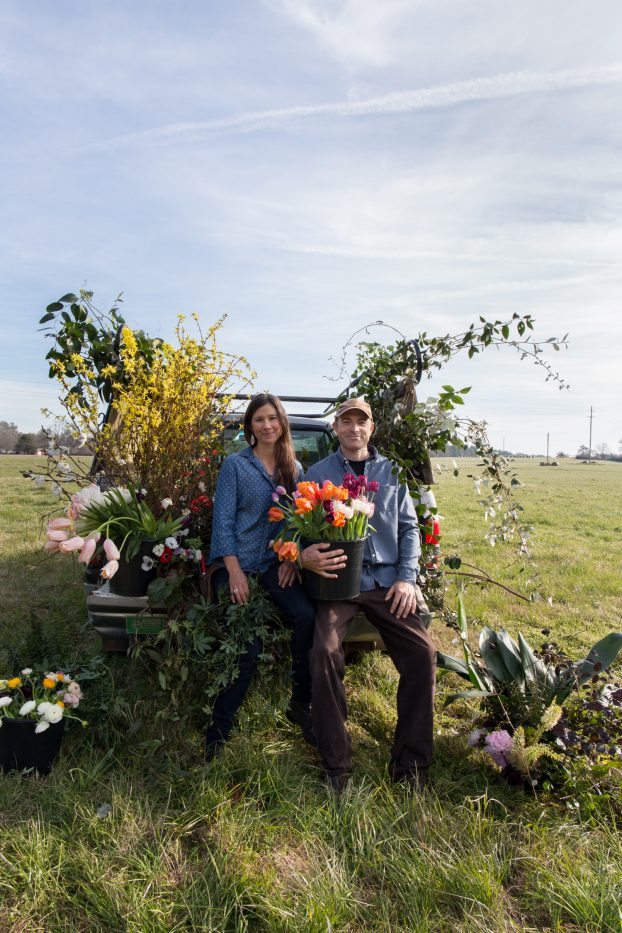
[
  {"x": 277, "y": 545},
  {"x": 288, "y": 551},
  {"x": 303, "y": 505},
  {"x": 341, "y": 493},
  {"x": 275, "y": 515},
  {"x": 327, "y": 491},
  {"x": 309, "y": 490},
  {"x": 339, "y": 520}
]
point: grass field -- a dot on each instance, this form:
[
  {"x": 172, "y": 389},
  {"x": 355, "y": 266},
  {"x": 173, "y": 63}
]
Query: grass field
[{"x": 253, "y": 841}]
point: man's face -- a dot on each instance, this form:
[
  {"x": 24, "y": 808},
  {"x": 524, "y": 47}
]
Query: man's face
[{"x": 354, "y": 430}]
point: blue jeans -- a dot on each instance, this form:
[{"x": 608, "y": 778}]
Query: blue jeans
[{"x": 298, "y": 613}]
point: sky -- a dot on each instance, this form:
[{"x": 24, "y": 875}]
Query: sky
[{"x": 307, "y": 167}]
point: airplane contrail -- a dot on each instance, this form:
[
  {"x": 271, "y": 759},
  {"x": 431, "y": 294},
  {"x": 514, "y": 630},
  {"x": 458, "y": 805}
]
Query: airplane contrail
[{"x": 508, "y": 84}]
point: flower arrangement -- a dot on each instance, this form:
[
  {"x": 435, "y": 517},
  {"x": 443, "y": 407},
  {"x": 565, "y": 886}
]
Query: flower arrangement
[
  {"x": 48, "y": 699},
  {"x": 124, "y": 519},
  {"x": 322, "y": 513}
]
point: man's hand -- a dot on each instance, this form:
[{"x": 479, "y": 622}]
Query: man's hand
[
  {"x": 288, "y": 574},
  {"x": 404, "y": 599},
  {"x": 318, "y": 559}
]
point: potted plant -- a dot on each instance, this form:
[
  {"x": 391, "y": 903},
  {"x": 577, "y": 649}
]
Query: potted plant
[
  {"x": 129, "y": 529},
  {"x": 338, "y": 515},
  {"x": 33, "y": 711}
]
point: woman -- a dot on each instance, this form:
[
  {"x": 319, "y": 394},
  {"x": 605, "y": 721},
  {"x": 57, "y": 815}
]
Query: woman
[{"x": 241, "y": 536}]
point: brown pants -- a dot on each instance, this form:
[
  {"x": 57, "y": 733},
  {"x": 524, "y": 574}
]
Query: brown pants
[{"x": 414, "y": 656}]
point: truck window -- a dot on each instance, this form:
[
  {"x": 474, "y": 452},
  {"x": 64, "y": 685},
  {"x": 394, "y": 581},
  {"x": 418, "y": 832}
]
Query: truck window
[{"x": 310, "y": 445}]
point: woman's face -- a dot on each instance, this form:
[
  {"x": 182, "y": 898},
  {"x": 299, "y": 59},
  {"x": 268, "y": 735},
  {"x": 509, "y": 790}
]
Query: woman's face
[{"x": 265, "y": 424}]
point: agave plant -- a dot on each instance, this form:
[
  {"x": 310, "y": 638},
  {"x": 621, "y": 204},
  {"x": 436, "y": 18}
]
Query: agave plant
[{"x": 511, "y": 675}]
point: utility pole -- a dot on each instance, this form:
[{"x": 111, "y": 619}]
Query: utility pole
[{"x": 589, "y": 459}]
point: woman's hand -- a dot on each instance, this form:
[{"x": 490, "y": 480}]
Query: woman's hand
[
  {"x": 319, "y": 560},
  {"x": 238, "y": 581}
]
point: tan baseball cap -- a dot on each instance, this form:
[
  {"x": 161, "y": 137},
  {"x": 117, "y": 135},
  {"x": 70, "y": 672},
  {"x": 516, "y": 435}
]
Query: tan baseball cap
[{"x": 354, "y": 404}]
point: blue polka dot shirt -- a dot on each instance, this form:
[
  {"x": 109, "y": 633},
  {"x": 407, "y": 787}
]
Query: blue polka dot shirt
[{"x": 240, "y": 521}]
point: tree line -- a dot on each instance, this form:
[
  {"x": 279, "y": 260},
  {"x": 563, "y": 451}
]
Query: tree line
[{"x": 14, "y": 441}]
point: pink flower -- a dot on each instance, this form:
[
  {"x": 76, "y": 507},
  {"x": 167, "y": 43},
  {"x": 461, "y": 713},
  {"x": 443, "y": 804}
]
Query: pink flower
[
  {"x": 72, "y": 544},
  {"x": 57, "y": 535},
  {"x": 109, "y": 569},
  {"x": 51, "y": 546},
  {"x": 88, "y": 549},
  {"x": 111, "y": 550},
  {"x": 373, "y": 485},
  {"x": 498, "y": 744},
  {"x": 280, "y": 490},
  {"x": 59, "y": 524},
  {"x": 71, "y": 699}
]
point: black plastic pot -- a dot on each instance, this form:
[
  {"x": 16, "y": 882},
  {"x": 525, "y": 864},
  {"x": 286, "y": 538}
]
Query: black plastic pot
[
  {"x": 21, "y": 747},
  {"x": 347, "y": 584},
  {"x": 130, "y": 579}
]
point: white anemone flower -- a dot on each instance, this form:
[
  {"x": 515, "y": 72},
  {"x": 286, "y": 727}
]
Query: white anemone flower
[
  {"x": 42, "y": 707},
  {"x": 166, "y": 503},
  {"x": 171, "y": 542},
  {"x": 27, "y": 707},
  {"x": 147, "y": 563},
  {"x": 5, "y": 701},
  {"x": 54, "y": 713},
  {"x": 158, "y": 550},
  {"x": 26, "y": 672},
  {"x": 42, "y": 726}
]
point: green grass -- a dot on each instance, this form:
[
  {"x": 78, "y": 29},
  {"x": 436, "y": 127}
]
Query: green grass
[{"x": 253, "y": 841}]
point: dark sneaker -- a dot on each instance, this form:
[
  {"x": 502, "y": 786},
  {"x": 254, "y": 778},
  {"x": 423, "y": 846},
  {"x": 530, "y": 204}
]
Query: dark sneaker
[
  {"x": 337, "y": 782},
  {"x": 214, "y": 750},
  {"x": 300, "y": 715},
  {"x": 414, "y": 781}
]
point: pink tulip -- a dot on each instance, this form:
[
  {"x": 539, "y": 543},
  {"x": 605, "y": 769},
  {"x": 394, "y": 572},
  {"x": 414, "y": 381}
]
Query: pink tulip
[
  {"x": 88, "y": 549},
  {"x": 58, "y": 524},
  {"x": 73, "y": 544},
  {"x": 111, "y": 550},
  {"x": 109, "y": 569},
  {"x": 57, "y": 535},
  {"x": 51, "y": 546}
]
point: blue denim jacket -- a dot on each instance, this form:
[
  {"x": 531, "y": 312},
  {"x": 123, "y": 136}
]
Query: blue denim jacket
[
  {"x": 392, "y": 550},
  {"x": 240, "y": 522}
]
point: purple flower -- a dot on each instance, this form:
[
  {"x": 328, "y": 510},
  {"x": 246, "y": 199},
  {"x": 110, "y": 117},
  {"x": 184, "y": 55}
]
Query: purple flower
[
  {"x": 179, "y": 551},
  {"x": 280, "y": 490},
  {"x": 498, "y": 744},
  {"x": 350, "y": 481},
  {"x": 373, "y": 486},
  {"x": 275, "y": 496}
]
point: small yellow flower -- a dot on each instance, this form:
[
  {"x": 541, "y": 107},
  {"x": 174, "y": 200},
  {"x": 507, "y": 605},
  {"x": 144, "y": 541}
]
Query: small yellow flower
[
  {"x": 48, "y": 683},
  {"x": 60, "y": 703},
  {"x": 14, "y": 682}
]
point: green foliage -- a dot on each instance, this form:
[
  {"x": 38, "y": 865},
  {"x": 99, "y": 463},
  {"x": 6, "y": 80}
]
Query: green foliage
[
  {"x": 408, "y": 430},
  {"x": 85, "y": 345},
  {"x": 196, "y": 656},
  {"x": 127, "y": 519},
  {"x": 520, "y": 686}
]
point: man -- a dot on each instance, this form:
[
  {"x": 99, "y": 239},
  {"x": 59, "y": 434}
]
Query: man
[{"x": 388, "y": 598}]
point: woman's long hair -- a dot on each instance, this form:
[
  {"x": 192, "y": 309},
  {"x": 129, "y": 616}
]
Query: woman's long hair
[{"x": 285, "y": 458}]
